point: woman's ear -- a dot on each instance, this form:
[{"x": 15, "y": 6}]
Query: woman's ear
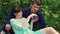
[{"x": 15, "y": 14}]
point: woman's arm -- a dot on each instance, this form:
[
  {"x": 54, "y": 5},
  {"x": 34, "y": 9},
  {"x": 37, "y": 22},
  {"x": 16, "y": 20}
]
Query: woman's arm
[{"x": 27, "y": 20}]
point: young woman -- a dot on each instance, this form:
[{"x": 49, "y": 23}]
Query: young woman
[{"x": 20, "y": 24}]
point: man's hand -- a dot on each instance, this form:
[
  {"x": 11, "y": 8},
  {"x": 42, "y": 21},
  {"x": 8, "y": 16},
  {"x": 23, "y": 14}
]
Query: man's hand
[{"x": 8, "y": 27}]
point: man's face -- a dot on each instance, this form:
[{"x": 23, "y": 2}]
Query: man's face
[{"x": 34, "y": 8}]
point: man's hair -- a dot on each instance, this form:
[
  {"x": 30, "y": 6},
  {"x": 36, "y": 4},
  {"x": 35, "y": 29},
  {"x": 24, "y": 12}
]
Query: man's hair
[{"x": 36, "y": 2}]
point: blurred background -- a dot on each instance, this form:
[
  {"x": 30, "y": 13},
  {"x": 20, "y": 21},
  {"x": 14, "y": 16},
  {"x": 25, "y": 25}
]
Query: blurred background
[{"x": 49, "y": 8}]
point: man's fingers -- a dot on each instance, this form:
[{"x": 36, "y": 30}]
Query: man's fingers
[{"x": 7, "y": 27}]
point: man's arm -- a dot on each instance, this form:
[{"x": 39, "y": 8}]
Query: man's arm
[
  {"x": 41, "y": 20},
  {"x": 9, "y": 16},
  {"x": 7, "y": 24}
]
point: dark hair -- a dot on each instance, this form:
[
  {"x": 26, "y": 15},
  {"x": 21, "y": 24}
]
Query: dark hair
[
  {"x": 16, "y": 10},
  {"x": 36, "y": 2}
]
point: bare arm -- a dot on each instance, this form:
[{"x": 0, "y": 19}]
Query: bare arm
[{"x": 27, "y": 20}]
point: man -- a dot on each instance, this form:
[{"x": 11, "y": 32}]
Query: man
[{"x": 34, "y": 9}]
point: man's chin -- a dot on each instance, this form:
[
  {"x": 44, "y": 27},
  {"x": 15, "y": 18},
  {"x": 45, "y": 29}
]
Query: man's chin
[{"x": 34, "y": 12}]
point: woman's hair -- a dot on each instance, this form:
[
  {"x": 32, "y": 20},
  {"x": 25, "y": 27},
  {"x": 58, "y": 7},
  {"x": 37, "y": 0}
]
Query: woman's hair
[{"x": 16, "y": 10}]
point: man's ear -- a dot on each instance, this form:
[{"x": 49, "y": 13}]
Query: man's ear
[{"x": 31, "y": 5}]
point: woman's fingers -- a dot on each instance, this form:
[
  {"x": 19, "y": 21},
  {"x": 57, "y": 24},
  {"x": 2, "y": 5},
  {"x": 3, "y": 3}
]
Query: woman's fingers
[{"x": 33, "y": 15}]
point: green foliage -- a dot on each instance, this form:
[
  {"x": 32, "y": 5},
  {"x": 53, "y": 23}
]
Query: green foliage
[
  {"x": 51, "y": 11},
  {"x": 49, "y": 8}
]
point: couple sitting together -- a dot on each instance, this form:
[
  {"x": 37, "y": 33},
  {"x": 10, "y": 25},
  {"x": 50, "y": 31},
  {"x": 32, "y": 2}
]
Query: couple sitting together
[{"x": 19, "y": 20}]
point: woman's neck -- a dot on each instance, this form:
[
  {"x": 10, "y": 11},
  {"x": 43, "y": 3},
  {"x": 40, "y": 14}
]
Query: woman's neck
[{"x": 18, "y": 17}]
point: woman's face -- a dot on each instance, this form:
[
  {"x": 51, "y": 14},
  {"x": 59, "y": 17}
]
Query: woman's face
[{"x": 19, "y": 14}]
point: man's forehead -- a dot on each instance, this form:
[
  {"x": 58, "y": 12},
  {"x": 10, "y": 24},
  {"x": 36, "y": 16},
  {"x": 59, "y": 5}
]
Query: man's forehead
[{"x": 35, "y": 5}]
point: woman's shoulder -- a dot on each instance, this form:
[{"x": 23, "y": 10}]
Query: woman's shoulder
[
  {"x": 12, "y": 19},
  {"x": 23, "y": 18},
  {"x": 15, "y": 19}
]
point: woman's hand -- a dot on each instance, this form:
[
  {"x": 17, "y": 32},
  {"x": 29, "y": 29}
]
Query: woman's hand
[
  {"x": 27, "y": 20},
  {"x": 32, "y": 15}
]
